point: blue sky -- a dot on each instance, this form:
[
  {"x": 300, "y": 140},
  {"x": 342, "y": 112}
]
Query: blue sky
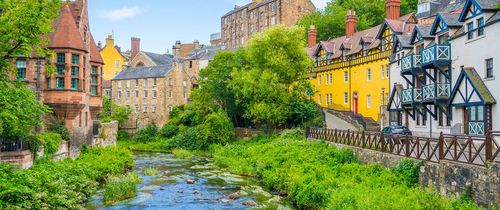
[{"x": 159, "y": 23}]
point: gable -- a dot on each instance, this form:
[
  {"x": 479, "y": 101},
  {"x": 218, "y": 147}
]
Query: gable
[
  {"x": 416, "y": 36},
  {"x": 470, "y": 90},
  {"x": 471, "y": 9},
  {"x": 439, "y": 25},
  {"x": 395, "y": 99}
]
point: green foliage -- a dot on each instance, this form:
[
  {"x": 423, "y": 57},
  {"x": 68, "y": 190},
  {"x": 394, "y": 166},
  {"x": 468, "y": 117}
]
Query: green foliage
[
  {"x": 330, "y": 22},
  {"x": 216, "y": 129},
  {"x": 316, "y": 175},
  {"x": 51, "y": 142},
  {"x": 293, "y": 134},
  {"x": 148, "y": 133},
  {"x": 62, "y": 185},
  {"x": 58, "y": 126},
  {"x": 408, "y": 171},
  {"x": 182, "y": 153},
  {"x": 20, "y": 112},
  {"x": 123, "y": 136},
  {"x": 111, "y": 111},
  {"x": 169, "y": 130},
  {"x": 121, "y": 187}
]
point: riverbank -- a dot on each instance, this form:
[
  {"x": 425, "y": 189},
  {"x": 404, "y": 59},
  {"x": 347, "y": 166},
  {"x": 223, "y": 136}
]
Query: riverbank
[{"x": 61, "y": 185}]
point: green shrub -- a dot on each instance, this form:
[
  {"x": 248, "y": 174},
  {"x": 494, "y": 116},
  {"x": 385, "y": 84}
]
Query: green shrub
[
  {"x": 147, "y": 134},
  {"x": 190, "y": 117},
  {"x": 123, "y": 136},
  {"x": 63, "y": 185},
  {"x": 408, "y": 171},
  {"x": 169, "y": 130},
  {"x": 120, "y": 188},
  {"x": 293, "y": 134},
  {"x": 216, "y": 129},
  {"x": 182, "y": 153},
  {"x": 186, "y": 140},
  {"x": 51, "y": 142},
  {"x": 58, "y": 126}
]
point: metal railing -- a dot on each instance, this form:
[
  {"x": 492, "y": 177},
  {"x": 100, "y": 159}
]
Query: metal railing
[
  {"x": 436, "y": 52},
  {"x": 13, "y": 146},
  {"x": 407, "y": 95},
  {"x": 418, "y": 94},
  {"x": 429, "y": 92},
  {"x": 476, "y": 150}
]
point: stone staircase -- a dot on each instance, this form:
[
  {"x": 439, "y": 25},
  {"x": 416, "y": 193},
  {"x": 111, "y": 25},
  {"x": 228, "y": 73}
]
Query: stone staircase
[{"x": 357, "y": 120}]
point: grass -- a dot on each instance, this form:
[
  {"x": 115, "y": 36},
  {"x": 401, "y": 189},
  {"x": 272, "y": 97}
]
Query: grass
[
  {"x": 151, "y": 171},
  {"x": 120, "y": 188},
  {"x": 316, "y": 175},
  {"x": 182, "y": 153}
]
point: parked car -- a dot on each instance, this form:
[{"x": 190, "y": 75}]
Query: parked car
[{"x": 397, "y": 130}]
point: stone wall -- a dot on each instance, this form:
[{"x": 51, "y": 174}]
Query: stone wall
[
  {"x": 23, "y": 159},
  {"x": 448, "y": 178},
  {"x": 108, "y": 133}
]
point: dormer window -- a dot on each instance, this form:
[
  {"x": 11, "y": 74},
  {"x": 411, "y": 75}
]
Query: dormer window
[{"x": 344, "y": 53}]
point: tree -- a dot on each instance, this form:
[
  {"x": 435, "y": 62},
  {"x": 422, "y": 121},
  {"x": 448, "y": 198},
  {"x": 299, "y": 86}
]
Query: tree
[
  {"x": 24, "y": 28},
  {"x": 330, "y": 22},
  {"x": 275, "y": 77},
  {"x": 111, "y": 111}
]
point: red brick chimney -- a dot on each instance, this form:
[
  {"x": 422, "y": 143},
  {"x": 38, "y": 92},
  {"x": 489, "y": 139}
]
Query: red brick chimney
[
  {"x": 311, "y": 40},
  {"x": 136, "y": 47},
  {"x": 351, "y": 20},
  {"x": 392, "y": 9}
]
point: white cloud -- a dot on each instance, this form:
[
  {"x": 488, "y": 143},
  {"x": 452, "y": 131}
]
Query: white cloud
[{"x": 121, "y": 13}]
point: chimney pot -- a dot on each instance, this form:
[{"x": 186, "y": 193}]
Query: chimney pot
[
  {"x": 392, "y": 9},
  {"x": 351, "y": 21}
]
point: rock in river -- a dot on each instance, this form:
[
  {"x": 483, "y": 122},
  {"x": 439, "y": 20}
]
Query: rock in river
[
  {"x": 234, "y": 196},
  {"x": 250, "y": 203},
  {"x": 190, "y": 181}
]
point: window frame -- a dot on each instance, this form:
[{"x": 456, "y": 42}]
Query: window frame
[{"x": 489, "y": 71}]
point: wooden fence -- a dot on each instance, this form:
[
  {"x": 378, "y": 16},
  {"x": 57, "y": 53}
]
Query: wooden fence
[{"x": 476, "y": 150}]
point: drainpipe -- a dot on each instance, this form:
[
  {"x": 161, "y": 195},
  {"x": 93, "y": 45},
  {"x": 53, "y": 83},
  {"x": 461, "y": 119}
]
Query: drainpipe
[{"x": 430, "y": 126}]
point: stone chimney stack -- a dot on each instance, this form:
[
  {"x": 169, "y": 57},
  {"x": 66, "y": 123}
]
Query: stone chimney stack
[
  {"x": 196, "y": 44},
  {"x": 311, "y": 40},
  {"x": 99, "y": 45},
  {"x": 135, "y": 48},
  {"x": 351, "y": 21},
  {"x": 256, "y": 1},
  {"x": 392, "y": 9}
]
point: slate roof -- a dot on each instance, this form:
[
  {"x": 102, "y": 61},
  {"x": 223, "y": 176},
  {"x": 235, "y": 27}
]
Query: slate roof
[
  {"x": 478, "y": 83},
  {"x": 451, "y": 19},
  {"x": 404, "y": 40},
  {"x": 143, "y": 72},
  {"x": 160, "y": 59},
  {"x": 488, "y": 4},
  {"x": 66, "y": 33},
  {"x": 494, "y": 18},
  {"x": 206, "y": 53},
  {"x": 425, "y": 31}
]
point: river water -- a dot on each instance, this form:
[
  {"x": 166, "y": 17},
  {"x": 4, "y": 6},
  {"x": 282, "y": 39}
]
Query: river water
[{"x": 214, "y": 188}]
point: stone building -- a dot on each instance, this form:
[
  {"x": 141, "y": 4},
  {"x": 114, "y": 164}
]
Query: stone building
[
  {"x": 239, "y": 25},
  {"x": 73, "y": 91}
]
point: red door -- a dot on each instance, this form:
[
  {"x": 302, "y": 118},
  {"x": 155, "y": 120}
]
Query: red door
[{"x": 355, "y": 103}]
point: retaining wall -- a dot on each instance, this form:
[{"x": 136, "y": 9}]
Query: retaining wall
[{"x": 108, "y": 134}]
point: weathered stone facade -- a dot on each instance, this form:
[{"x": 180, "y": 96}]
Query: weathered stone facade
[
  {"x": 108, "y": 134},
  {"x": 240, "y": 24},
  {"x": 448, "y": 178}
]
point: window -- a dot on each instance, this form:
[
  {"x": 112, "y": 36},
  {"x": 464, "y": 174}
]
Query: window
[
  {"x": 136, "y": 94},
  {"x": 93, "y": 90},
  {"x": 480, "y": 26},
  {"x": 60, "y": 83},
  {"x": 346, "y": 98},
  {"x": 60, "y": 70},
  {"x": 136, "y": 83},
  {"x": 327, "y": 100},
  {"x": 94, "y": 80},
  {"x": 154, "y": 82},
  {"x": 95, "y": 70},
  {"x": 169, "y": 109},
  {"x": 128, "y": 94},
  {"x": 369, "y": 75},
  {"x": 61, "y": 58},
  {"x": 184, "y": 83},
  {"x": 383, "y": 72},
  {"x": 190, "y": 64},
  {"x": 117, "y": 63},
  {"x": 346, "y": 76},
  {"x": 331, "y": 79},
  {"x": 273, "y": 21},
  {"x": 74, "y": 71},
  {"x": 489, "y": 68},
  {"x": 119, "y": 84},
  {"x": 470, "y": 30},
  {"x": 145, "y": 82},
  {"x": 331, "y": 98},
  {"x": 74, "y": 84},
  {"x": 171, "y": 82},
  {"x": 136, "y": 109},
  {"x": 21, "y": 70},
  {"x": 327, "y": 79},
  {"x": 444, "y": 120},
  {"x": 75, "y": 59},
  {"x": 154, "y": 94},
  {"x": 153, "y": 108},
  {"x": 387, "y": 71},
  {"x": 48, "y": 84},
  {"x": 319, "y": 80},
  {"x": 273, "y": 7},
  {"x": 128, "y": 84},
  {"x": 369, "y": 101},
  {"x": 170, "y": 94},
  {"x": 319, "y": 99},
  {"x": 144, "y": 108},
  {"x": 145, "y": 93},
  {"x": 119, "y": 94}
]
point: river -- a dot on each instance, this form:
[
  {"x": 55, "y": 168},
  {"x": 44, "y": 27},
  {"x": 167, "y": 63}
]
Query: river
[{"x": 214, "y": 188}]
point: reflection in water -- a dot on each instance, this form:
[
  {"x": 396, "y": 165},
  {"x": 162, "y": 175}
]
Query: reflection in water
[{"x": 213, "y": 187}]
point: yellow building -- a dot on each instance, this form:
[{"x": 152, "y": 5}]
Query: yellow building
[
  {"x": 351, "y": 72},
  {"x": 113, "y": 59}
]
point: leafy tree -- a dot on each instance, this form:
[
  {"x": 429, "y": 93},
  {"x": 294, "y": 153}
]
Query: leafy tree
[
  {"x": 111, "y": 111},
  {"x": 330, "y": 22},
  {"x": 25, "y": 25},
  {"x": 275, "y": 77}
]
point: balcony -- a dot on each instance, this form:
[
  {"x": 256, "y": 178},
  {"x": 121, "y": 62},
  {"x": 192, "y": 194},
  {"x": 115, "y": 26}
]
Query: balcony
[
  {"x": 437, "y": 55},
  {"x": 410, "y": 63},
  {"x": 439, "y": 91},
  {"x": 412, "y": 95}
]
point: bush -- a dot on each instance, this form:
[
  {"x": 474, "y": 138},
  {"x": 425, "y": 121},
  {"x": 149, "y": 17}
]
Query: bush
[
  {"x": 63, "y": 185},
  {"x": 58, "y": 126},
  {"x": 186, "y": 140},
  {"x": 293, "y": 134},
  {"x": 51, "y": 142},
  {"x": 408, "y": 171},
  {"x": 121, "y": 187},
  {"x": 216, "y": 129},
  {"x": 169, "y": 130},
  {"x": 147, "y": 134},
  {"x": 123, "y": 136}
]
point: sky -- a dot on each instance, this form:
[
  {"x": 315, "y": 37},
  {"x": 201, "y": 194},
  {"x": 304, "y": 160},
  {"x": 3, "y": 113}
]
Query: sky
[{"x": 160, "y": 23}]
